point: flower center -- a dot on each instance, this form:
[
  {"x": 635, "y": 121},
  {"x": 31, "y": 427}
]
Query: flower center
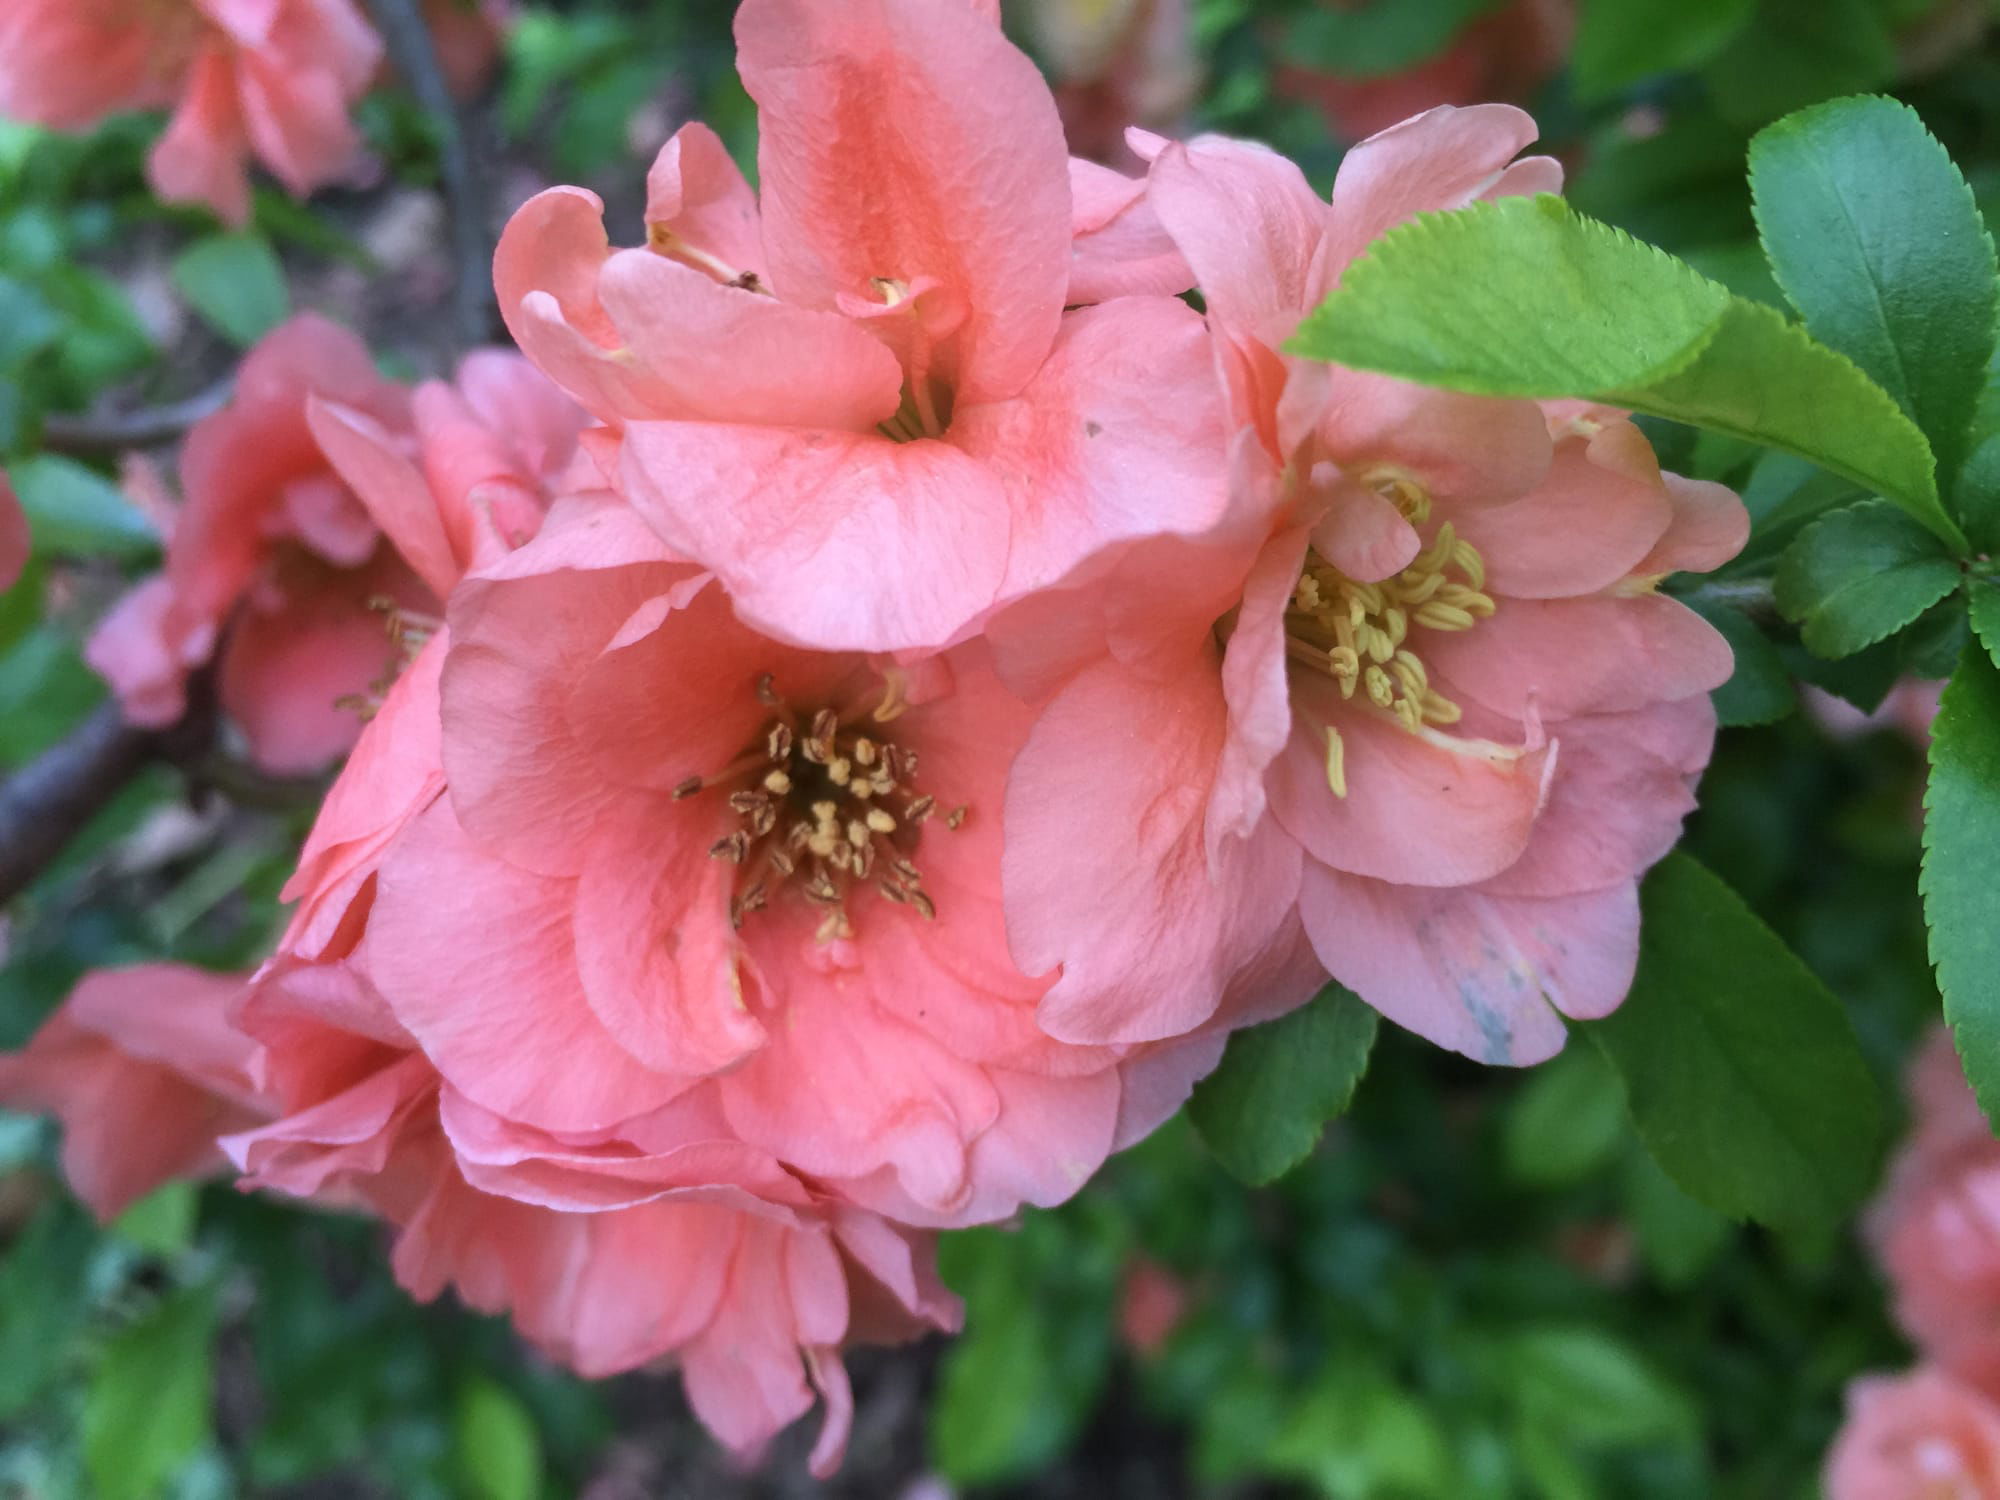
[
  {"x": 820, "y": 805},
  {"x": 1365, "y": 635}
]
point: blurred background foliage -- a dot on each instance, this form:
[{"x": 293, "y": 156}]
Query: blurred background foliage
[{"x": 1477, "y": 1286}]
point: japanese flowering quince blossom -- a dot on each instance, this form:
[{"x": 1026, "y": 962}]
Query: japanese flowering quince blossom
[
  {"x": 862, "y": 401},
  {"x": 274, "y": 563},
  {"x": 1418, "y": 679},
  {"x": 273, "y": 79},
  {"x": 1920, "y": 1436}
]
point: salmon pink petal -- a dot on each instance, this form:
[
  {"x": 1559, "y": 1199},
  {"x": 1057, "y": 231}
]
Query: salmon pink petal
[
  {"x": 1486, "y": 976},
  {"x": 1119, "y": 435},
  {"x": 1421, "y": 809},
  {"x": 1256, "y": 685},
  {"x": 1709, "y": 528},
  {"x": 145, "y": 648},
  {"x": 297, "y": 121},
  {"x": 723, "y": 354},
  {"x": 1106, "y": 866},
  {"x": 201, "y": 157},
  {"x": 350, "y": 1134},
  {"x": 452, "y": 921},
  {"x": 696, "y": 198},
  {"x": 1466, "y": 449},
  {"x": 513, "y": 400},
  {"x": 806, "y": 528},
  {"x": 1441, "y": 159},
  {"x": 1600, "y": 654},
  {"x": 392, "y": 488},
  {"x": 67, "y": 68},
  {"x": 1361, "y": 532},
  {"x": 654, "y": 948},
  {"x": 1599, "y": 512},
  {"x": 1119, "y": 247},
  {"x": 743, "y": 1372},
  {"x": 901, "y": 140},
  {"x": 1912, "y": 1435}
]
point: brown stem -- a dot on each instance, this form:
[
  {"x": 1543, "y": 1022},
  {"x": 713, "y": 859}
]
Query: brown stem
[{"x": 96, "y": 433}]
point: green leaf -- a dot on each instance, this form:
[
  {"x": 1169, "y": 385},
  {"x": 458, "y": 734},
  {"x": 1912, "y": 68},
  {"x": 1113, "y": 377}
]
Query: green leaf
[
  {"x": 27, "y": 324},
  {"x": 1619, "y": 42},
  {"x": 1798, "y": 52},
  {"x": 150, "y": 1405},
  {"x": 234, "y": 281},
  {"x": 77, "y": 512},
  {"x": 1859, "y": 575},
  {"x": 1678, "y": 1237},
  {"x": 1759, "y": 690},
  {"x": 1523, "y": 297},
  {"x": 1962, "y": 867},
  {"x": 1565, "y": 1122},
  {"x": 1377, "y": 37},
  {"x": 43, "y": 1301},
  {"x": 1983, "y": 595},
  {"x": 1878, "y": 243},
  {"x": 1591, "y": 1387},
  {"x": 163, "y": 1221},
  {"x": 496, "y": 1447},
  {"x": 1741, "y": 1069},
  {"x": 1977, "y": 495},
  {"x": 1262, "y": 1110}
]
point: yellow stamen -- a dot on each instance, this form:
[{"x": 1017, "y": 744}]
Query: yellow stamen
[{"x": 1336, "y": 762}]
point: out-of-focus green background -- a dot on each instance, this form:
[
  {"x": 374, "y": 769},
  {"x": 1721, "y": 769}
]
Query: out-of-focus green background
[{"x": 1479, "y": 1286}]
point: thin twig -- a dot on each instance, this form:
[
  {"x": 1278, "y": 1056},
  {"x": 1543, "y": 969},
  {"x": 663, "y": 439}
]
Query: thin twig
[
  {"x": 411, "y": 48},
  {"x": 48, "y": 801},
  {"x": 95, "y": 433}
]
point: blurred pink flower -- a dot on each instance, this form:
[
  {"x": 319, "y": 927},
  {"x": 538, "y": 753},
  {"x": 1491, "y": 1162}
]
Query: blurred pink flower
[
  {"x": 1418, "y": 682},
  {"x": 273, "y": 79},
  {"x": 1506, "y": 54},
  {"x": 468, "y": 35},
  {"x": 1151, "y": 1303},
  {"x": 1909, "y": 708},
  {"x": 1936, "y": 1225},
  {"x": 862, "y": 403},
  {"x": 1115, "y": 63},
  {"x": 1920, "y": 1436},
  {"x": 14, "y": 538},
  {"x": 272, "y": 563},
  {"x": 144, "y": 1070}
]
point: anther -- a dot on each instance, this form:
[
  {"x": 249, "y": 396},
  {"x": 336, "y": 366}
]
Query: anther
[
  {"x": 777, "y": 783},
  {"x": 687, "y": 788},
  {"x": 880, "y": 821}
]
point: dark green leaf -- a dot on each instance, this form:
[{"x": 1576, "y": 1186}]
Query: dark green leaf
[
  {"x": 1524, "y": 297},
  {"x": 1377, "y": 36},
  {"x": 1760, "y": 690},
  {"x": 235, "y": 283},
  {"x": 1591, "y": 1387},
  {"x": 77, "y": 512},
  {"x": 1983, "y": 595},
  {"x": 1876, "y": 240},
  {"x": 1976, "y": 496},
  {"x": 1741, "y": 1070},
  {"x": 43, "y": 1301},
  {"x": 495, "y": 1445},
  {"x": 1263, "y": 1109},
  {"x": 1860, "y": 575},
  {"x": 1565, "y": 1122},
  {"x": 1619, "y": 42},
  {"x": 151, "y": 1401},
  {"x": 1962, "y": 867},
  {"x": 1678, "y": 1237},
  {"x": 1798, "y": 52}
]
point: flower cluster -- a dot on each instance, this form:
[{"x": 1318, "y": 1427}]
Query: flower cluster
[
  {"x": 860, "y": 779},
  {"x": 270, "y": 79},
  {"x": 1934, "y": 1430}
]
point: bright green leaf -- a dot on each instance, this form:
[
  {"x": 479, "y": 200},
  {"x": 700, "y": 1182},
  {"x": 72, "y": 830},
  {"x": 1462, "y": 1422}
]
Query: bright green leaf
[
  {"x": 1565, "y": 1122},
  {"x": 1877, "y": 242},
  {"x": 234, "y": 281},
  {"x": 1619, "y": 42},
  {"x": 151, "y": 1400},
  {"x": 1524, "y": 297},
  {"x": 77, "y": 512},
  {"x": 1357, "y": 1433},
  {"x": 1859, "y": 575},
  {"x": 1759, "y": 690},
  {"x": 1591, "y": 1387},
  {"x": 163, "y": 1221},
  {"x": 1262, "y": 1110},
  {"x": 495, "y": 1445},
  {"x": 1741, "y": 1070},
  {"x": 1962, "y": 867}
]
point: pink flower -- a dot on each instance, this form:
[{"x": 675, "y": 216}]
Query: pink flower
[
  {"x": 272, "y": 79},
  {"x": 1909, "y": 707},
  {"x": 1936, "y": 1226},
  {"x": 14, "y": 538},
  {"x": 662, "y": 1237},
  {"x": 862, "y": 403},
  {"x": 1152, "y": 1301},
  {"x": 468, "y": 35},
  {"x": 680, "y": 854},
  {"x": 1920, "y": 1436},
  {"x": 1419, "y": 680},
  {"x": 145, "y": 1071},
  {"x": 1506, "y": 54}
]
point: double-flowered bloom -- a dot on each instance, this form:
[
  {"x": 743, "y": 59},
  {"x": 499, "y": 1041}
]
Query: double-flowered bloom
[{"x": 951, "y": 686}]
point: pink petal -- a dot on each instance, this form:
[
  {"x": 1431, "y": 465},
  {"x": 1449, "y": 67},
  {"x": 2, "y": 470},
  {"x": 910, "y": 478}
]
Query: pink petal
[
  {"x": 1119, "y": 247},
  {"x": 837, "y": 540},
  {"x": 201, "y": 157},
  {"x": 1709, "y": 528},
  {"x": 392, "y": 488},
  {"x": 902, "y": 140},
  {"x": 696, "y": 196},
  {"x": 1468, "y": 449}
]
